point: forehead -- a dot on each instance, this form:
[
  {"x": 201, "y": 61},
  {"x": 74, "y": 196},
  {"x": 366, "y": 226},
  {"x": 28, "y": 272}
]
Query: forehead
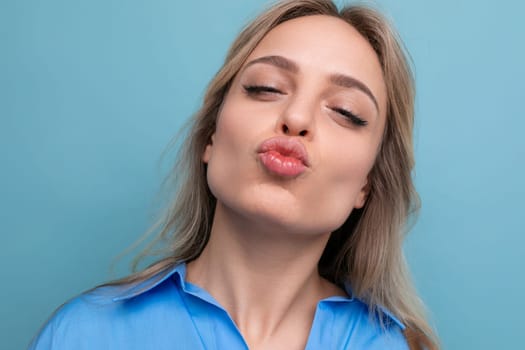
[{"x": 325, "y": 45}]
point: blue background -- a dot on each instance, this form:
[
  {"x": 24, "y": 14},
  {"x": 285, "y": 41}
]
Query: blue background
[{"x": 91, "y": 92}]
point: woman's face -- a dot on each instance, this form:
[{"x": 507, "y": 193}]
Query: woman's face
[{"x": 299, "y": 129}]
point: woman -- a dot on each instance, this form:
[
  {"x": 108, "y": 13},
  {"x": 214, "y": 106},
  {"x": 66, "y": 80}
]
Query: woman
[{"x": 287, "y": 228}]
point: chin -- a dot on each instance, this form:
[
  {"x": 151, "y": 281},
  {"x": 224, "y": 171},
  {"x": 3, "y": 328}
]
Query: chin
[
  {"x": 269, "y": 206},
  {"x": 280, "y": 218}
]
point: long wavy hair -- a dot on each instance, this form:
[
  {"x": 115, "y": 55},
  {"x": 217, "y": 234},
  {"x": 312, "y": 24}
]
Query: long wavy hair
[{"x": 366, "y": 250}]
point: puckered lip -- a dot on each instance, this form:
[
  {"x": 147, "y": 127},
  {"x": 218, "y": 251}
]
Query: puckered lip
[{"x": 287, "y": 146}]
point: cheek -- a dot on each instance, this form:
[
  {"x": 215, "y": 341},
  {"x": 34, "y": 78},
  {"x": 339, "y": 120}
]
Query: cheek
[
  {"x": 227, "y": 157},
  {"x": 349, "y": 157},
  {"x": 342, "y": 184},
  {"x": 352, "y": 171},
  {"x": 236, "y": 124},
  {"x": 220, "y": 157}
]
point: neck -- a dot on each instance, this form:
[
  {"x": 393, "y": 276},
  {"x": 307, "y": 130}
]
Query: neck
[{"x": 262, "y": 275}]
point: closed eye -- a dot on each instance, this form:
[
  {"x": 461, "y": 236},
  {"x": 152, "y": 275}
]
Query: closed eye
[
  {"x": 261, "y": 89},
  {"x": 350, "y": 116}
]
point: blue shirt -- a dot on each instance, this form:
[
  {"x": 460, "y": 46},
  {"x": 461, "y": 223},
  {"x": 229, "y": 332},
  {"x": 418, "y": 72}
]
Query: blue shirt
[{"x": 166, "y": 312}]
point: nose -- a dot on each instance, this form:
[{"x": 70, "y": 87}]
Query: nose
[{"x": 297, "y": 118}]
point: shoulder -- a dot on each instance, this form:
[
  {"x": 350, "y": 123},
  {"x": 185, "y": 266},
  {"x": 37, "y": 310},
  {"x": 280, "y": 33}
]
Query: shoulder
[
  {"x": 111, "y": 315},
  {"x": 360, "y": 327}
]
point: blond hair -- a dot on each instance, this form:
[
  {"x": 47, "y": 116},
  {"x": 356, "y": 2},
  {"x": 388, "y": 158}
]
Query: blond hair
[{"x": 366, "y": 250}]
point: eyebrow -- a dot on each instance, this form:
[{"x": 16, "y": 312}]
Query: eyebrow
[
  {"x": 277, "y": 61},
  {"x": 336, "y": 79},
  {"x": 352, "y": 83}
]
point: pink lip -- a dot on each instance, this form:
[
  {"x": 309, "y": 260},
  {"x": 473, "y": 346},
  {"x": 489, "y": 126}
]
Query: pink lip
[{"x": 283, "y": 156}]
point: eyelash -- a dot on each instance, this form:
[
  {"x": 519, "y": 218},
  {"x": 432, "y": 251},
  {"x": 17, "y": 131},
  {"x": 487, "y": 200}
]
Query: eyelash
[
  {"x": 262, "y": 89},
  {"x": 259, "y": 89},
  {"x": 350, "y": 116}
]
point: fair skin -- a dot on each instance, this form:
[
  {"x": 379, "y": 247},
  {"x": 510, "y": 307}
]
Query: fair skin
[{"x": 269, "y": 230}]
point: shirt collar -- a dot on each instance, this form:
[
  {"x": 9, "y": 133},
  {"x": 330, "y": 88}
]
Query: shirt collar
[
  {"x": 178, "y": 272},
  {"x": 137, "y": 289}
]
